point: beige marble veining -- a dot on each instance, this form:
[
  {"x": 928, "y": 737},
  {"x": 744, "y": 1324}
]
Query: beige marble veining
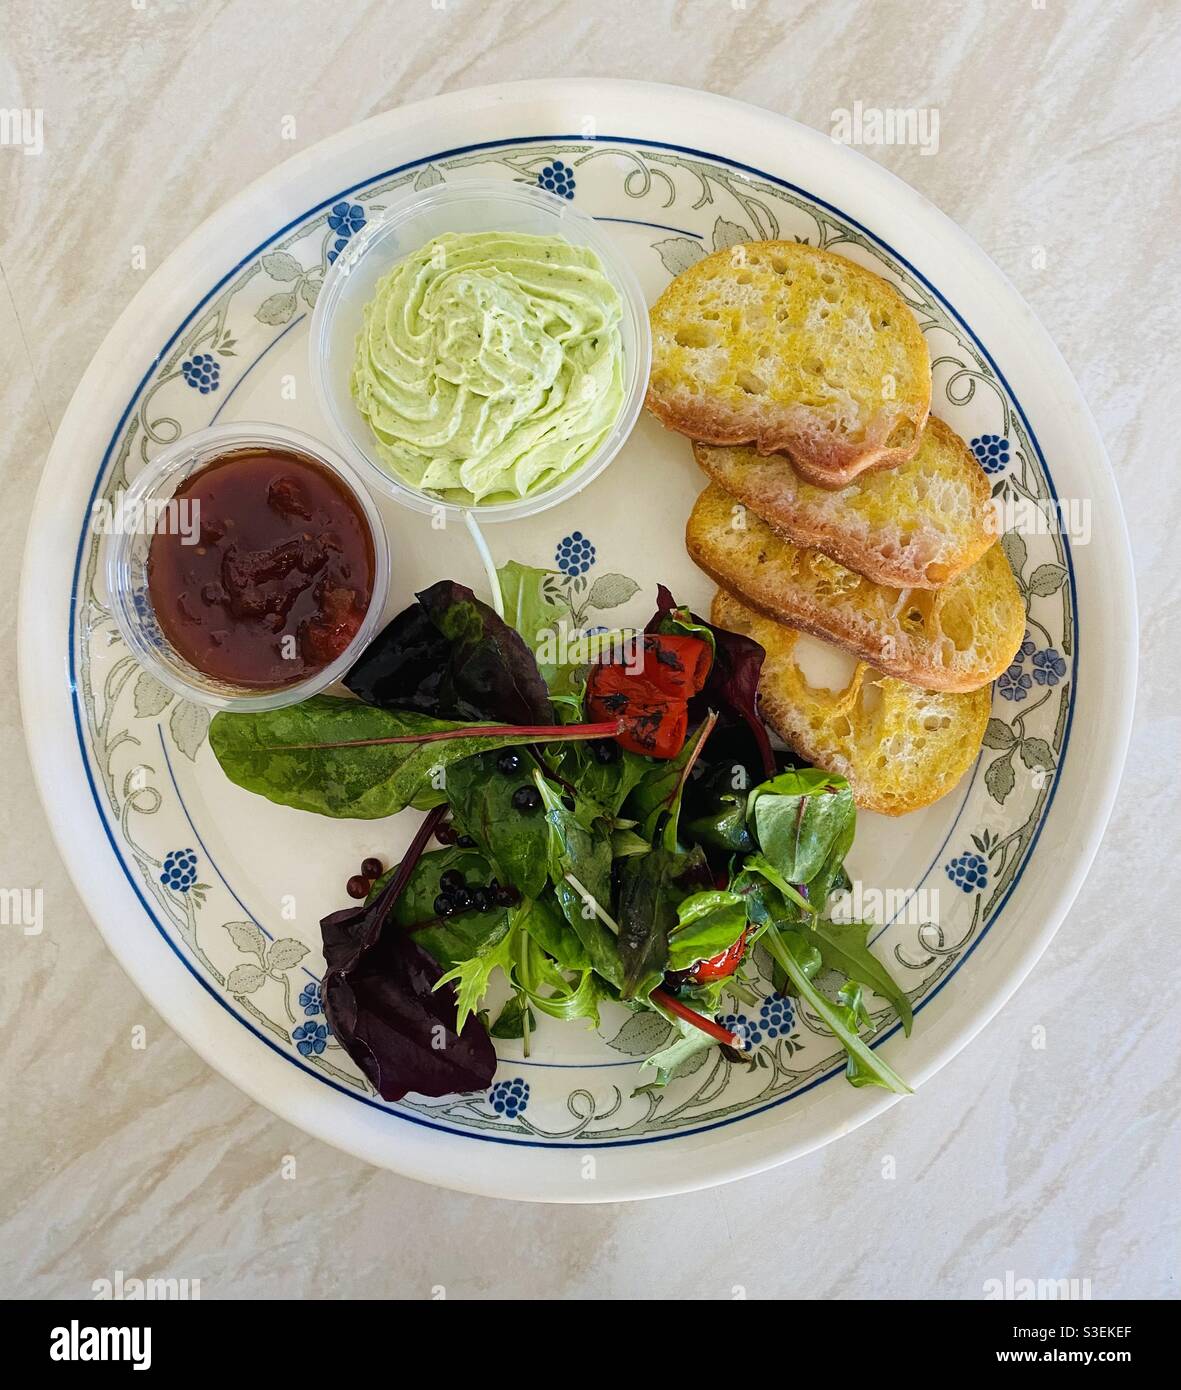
[{"x": 1058, "y": 133}]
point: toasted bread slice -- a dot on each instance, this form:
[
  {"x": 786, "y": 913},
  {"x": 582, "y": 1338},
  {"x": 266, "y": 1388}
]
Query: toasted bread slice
[
  {"x": 795, "y": 351},
  {"x": 898, "y": 747},
  {"x": 959, "y": 637},
  {"x": 915, "y": 526}
]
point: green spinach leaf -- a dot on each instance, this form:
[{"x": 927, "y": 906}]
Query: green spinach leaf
[
  {"x": 608, "y": 784},
  {"x": 803, "y": 820},
  {"x": 708, "y": 923},
  {"x": 449, "y": 940},
  {"x": 659, "y": 792},
  {"x": 516, "y": 842},
  {"x": 532, "y": 609}
]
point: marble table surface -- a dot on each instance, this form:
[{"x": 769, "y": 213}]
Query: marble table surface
[{"x": 1058, "y": 131}]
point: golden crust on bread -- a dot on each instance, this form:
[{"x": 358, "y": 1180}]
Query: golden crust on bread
[
  {"x": 918, "y": 525},
  {"x": 959, "y": 637},
  {"x": 899, "y": 747},
  {"x": 795, "y": 351}
]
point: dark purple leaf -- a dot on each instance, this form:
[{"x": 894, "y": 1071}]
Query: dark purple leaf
[
  {"x": 381, "y": 1003},
  {"x": 450, "y": 656}
]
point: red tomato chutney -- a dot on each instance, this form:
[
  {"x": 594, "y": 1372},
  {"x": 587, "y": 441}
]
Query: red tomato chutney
[{"x": 273, "y": 579}]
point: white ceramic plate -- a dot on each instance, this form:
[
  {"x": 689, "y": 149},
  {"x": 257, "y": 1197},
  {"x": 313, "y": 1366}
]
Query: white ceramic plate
[{"x": 192, "y": 880}]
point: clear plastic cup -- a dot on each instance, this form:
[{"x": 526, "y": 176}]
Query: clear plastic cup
[
  {"x": 473, "y": 205},
  {"x": 127, "y": 558}
]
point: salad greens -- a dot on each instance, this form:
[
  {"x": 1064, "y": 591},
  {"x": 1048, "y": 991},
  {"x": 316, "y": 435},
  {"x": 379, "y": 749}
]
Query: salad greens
[
  {"x": 381, "y": 991},
  {"x": 341, "y": 757},
  {"x": 578, "y": 872},
  {"x": 451, "y": 656}
]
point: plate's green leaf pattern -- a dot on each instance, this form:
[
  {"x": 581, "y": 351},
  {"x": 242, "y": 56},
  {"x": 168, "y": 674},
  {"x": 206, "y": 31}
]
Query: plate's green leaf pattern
[
  {"x": 642, "y": 1034},
  {"x": 151, "y": 697},
  {"x": 1016, "y": 550},
  {"x": 612, "y": 590},
  {"x": 245, "y": 979},
  {"x": 679, "y": 253},
  {"x": 276, "y": 308},
  {"x": 998, "y": 735},
  {"x": 1047, "y": 580},
  {"x": 286, "y": 953},
  {"x": 248, "y": 937},
  {"x": 189, "y": 724},
  {"x": 1036, "y": 752},
  {"x": 729, "y": 234},
  {"x": 281, "y": 265},
  {"x": 999, "y": 778},
  {"x": 427, "y": 177}
]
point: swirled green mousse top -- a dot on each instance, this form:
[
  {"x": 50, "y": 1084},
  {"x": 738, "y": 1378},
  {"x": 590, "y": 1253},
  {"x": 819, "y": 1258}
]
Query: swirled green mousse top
[{"x": 490, "y": 365}]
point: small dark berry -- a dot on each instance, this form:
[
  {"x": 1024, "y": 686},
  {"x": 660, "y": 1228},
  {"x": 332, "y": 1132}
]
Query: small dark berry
[
  {"x": 481, "y": 900},
  {"x": 465, "y": 842},
  {"x": 446, "y": 834},
  {"x": 372, "y": 868},
  {"x": 508, "y": 762},
  {"x": 506, "y": 896},
  {"x": 451, "y": 880},
  {"x": 358, "y": 887},
  {"x": 462, "y": 899},
  {"x": 526, "y": 798},
  {"x": 444, "y": 905},
  {"x": 605, "y": 750}
]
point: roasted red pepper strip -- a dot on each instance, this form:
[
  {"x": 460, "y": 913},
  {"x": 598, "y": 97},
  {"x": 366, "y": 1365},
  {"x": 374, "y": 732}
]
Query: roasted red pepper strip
[
  {"x": 651, "y": 696},
  {"x": 655, "y": 728},
  {"x": 676, "y": 666},
  {"x": 719, "y": 966}
]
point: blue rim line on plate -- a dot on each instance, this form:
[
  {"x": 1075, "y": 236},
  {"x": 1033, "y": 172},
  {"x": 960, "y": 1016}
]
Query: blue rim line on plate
[{"x": 382, "y": 1106}]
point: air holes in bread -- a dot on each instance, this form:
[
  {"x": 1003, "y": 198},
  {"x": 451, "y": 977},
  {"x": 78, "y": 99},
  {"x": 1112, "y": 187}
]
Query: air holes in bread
[
  {"x": 751, "y": 383},
  {"x": 696, "y": 335}
]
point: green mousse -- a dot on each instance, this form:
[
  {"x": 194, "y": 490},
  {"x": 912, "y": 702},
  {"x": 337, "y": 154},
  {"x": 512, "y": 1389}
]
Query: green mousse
[{"x": 490, "y": 365}]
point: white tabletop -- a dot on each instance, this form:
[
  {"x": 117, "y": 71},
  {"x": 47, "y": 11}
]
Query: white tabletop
[{"x": 1057, "y": 153}]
